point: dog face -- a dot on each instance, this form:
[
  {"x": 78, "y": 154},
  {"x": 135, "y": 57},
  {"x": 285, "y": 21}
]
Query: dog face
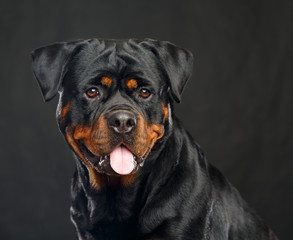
[{"x": 115, "y": 95}]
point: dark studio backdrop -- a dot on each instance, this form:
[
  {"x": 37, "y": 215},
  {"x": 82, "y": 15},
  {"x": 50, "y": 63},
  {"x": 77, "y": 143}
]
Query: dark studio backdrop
[{"x": 238, "y": 105}]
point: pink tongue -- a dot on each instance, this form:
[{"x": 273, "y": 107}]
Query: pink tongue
[{"x": 121, "y": 160}]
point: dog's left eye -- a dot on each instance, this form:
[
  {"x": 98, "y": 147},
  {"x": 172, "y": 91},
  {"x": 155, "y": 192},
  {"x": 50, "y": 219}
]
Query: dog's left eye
[{"x": 92, "y": 92}]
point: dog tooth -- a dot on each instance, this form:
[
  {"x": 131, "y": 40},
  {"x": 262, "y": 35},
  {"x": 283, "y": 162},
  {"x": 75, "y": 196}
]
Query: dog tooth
[
  {"x": 134, "y": 163},
  {"x": 101, "y": 161}
]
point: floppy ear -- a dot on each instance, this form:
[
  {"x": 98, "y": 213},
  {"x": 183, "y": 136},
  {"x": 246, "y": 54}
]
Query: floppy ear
[
  {"x": 49, "y": 66},
  {"x": 178, "y": 63}
]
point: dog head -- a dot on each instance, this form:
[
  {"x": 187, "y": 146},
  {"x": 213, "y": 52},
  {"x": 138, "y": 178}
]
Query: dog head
[{"x": 115, "y": 97}]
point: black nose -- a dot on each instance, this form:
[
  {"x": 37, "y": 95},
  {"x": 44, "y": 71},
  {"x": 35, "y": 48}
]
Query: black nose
[{"x": 121, "y": 121}]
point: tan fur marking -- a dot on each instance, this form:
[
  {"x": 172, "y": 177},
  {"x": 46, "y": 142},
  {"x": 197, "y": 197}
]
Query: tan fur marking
[
  {"x": 65, "y": 110},
  {"x": 106, "y": 81},
  {"x": 73, "y": 134},
  {"x": 146, "y": 136},
  {"x": 165, "y": 111},
  {"x": 155, "y": 132},
  {"x": 132, "y": 83},
  {"x": 100, "y": 141}
]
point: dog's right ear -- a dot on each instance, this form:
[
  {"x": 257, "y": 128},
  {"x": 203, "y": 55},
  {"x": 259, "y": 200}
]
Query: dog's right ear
[{"x": 49, "y": 65}]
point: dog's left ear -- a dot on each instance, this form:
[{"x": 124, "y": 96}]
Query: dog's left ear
[
  {"x": 178, "y": 63},
  {"x": 49, "y": 66}
]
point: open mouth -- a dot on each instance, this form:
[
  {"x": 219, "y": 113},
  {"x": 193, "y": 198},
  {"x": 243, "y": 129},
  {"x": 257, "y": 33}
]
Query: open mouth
[{"x": 121, "y": 161}]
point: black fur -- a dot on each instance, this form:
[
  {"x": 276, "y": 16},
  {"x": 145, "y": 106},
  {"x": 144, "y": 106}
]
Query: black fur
[{"x": 176, "y": 194}]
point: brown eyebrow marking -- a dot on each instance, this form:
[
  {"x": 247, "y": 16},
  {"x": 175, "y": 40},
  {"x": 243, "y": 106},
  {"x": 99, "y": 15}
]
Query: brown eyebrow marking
[
  {"x": 131, "y": 83},
  {"x": 106, "y": 81}
]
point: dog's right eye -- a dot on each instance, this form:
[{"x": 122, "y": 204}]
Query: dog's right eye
[
  {"x": 144, "y": 93},
  {"x": 92, "y": 92}
]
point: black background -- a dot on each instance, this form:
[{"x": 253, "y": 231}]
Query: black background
[{"x": 238, "y": 104}]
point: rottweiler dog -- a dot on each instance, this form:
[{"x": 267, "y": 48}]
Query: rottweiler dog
[{"x": 139, "y": 173}]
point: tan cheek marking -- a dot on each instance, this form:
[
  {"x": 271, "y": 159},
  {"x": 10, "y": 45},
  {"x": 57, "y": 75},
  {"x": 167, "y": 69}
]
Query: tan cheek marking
[
  {"x": 165, "y": 111},
  {"x": 100, "y": 141},
  {"x": 73, "y": 134},
  {"x": 141, "y": 137},
  {"x": 65, "y": 110},
  {"x": 132, "y": 83},
  {"x": 106, "y": 81},
  {"x": 155, "y": 132},
  {"x": 146, "y": 136}
]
